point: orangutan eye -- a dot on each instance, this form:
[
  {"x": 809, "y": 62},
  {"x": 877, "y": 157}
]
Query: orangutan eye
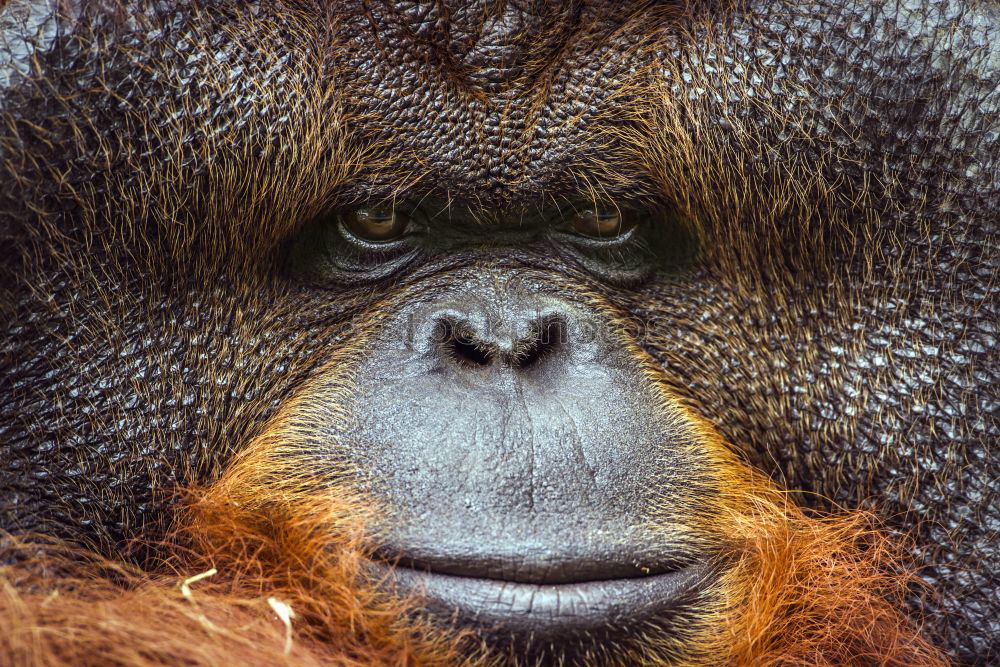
[
  {"x": 377, "y": 225},
  {"x": 622, "y": 245},
  {"x": 356, "y": 246},
  {"x": 599, "y": 223}
]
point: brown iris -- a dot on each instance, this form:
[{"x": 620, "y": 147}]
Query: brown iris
[
  {"x": 376, "y": 224},
  {"x": 598, "y": 223}
]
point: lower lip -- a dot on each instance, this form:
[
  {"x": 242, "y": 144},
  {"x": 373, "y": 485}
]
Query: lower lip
[{"x": 548, "y": 608}]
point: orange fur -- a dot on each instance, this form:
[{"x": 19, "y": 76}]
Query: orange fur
[
  {"x": 802, "y": 591},
  {"x": 98, "y": 612},
  {"x": 818, "y": 591}
]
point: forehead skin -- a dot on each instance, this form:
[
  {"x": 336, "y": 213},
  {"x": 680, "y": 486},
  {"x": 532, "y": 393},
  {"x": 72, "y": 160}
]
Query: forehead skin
[{"x": 839, "y": 158}]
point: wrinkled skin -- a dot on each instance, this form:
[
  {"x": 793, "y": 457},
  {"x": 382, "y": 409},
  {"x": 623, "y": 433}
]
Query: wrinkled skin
[{"x": 839, "y": 161}]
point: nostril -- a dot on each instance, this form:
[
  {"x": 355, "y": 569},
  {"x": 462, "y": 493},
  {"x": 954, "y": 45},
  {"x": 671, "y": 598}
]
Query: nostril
[
  {"x": 470, "y": 353},
  {"x": 547, "y": 335},
  {"x": 464, "y": 347}
]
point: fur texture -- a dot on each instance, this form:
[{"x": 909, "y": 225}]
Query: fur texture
[{"x": 838, "y": 164}]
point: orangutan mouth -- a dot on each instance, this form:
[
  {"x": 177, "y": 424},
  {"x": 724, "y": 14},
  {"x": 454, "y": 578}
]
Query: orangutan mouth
[{"x": 547, "y": 602}]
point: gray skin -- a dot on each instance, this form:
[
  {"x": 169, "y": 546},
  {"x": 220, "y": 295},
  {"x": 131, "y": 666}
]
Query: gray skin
[{"x": 839, "y": 161}]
